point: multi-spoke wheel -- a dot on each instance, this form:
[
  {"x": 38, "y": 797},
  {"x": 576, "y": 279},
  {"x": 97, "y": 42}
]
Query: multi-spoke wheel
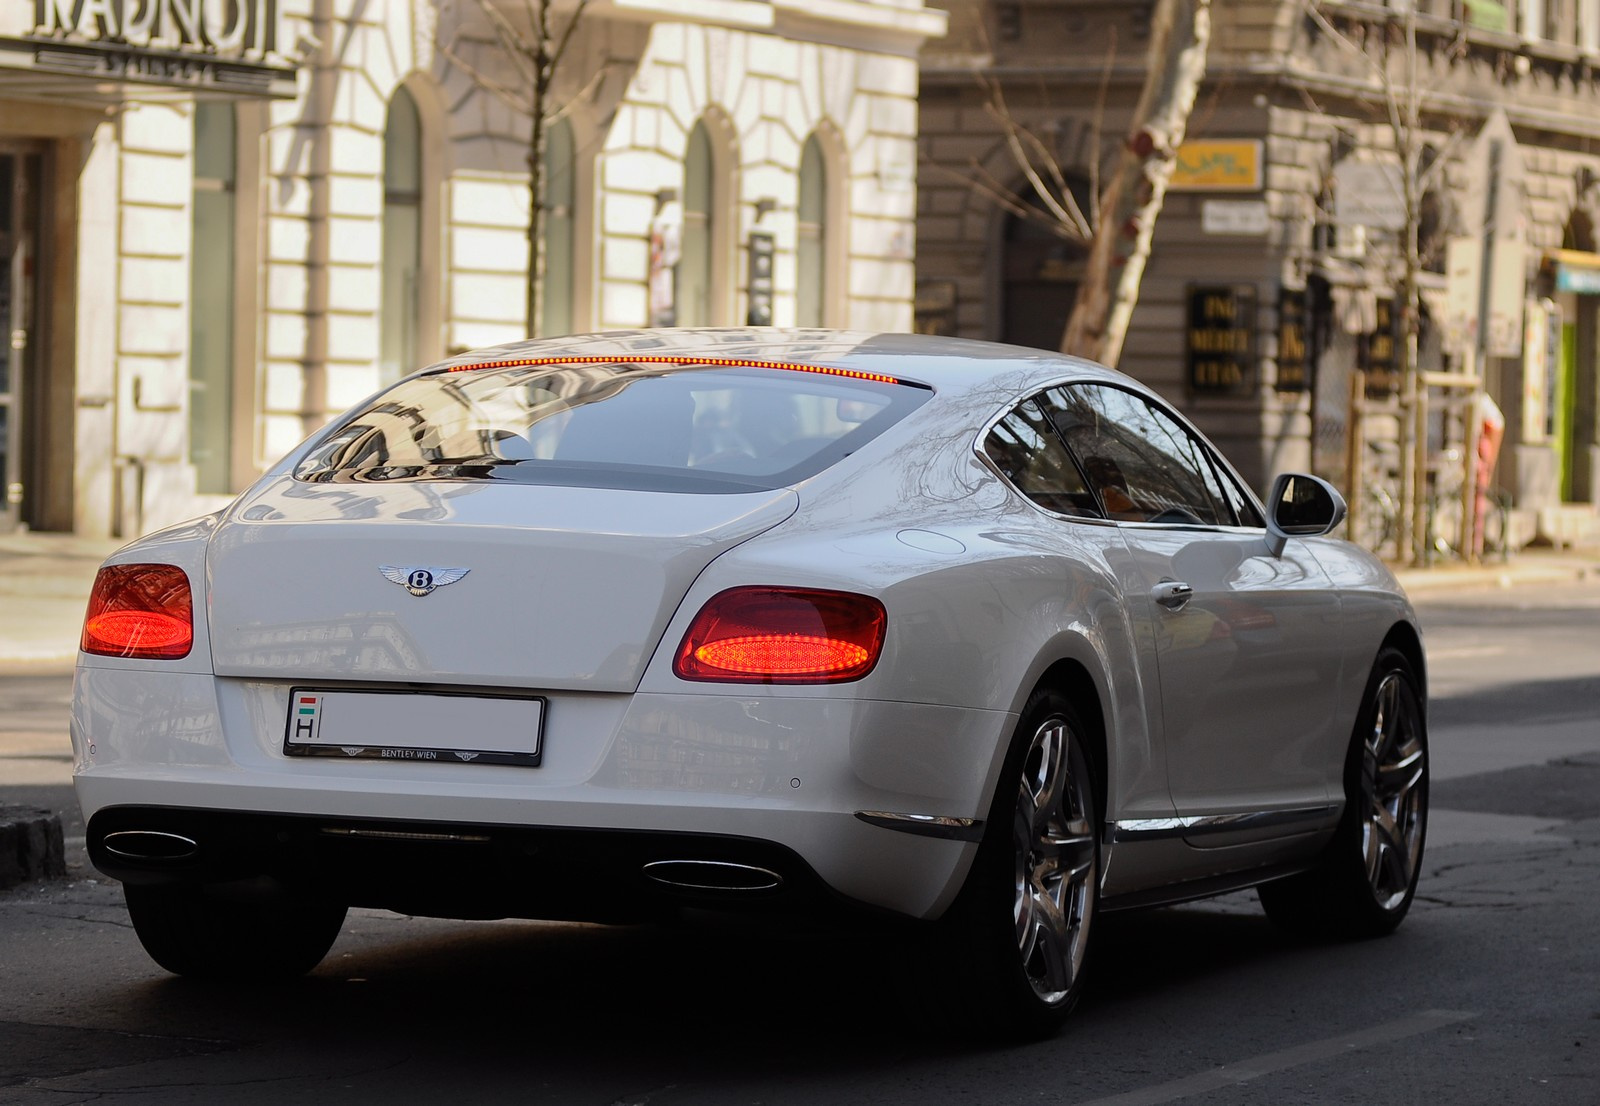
[
  {"x": 1042, "y": 835},
  {"x": 1365, "y": 882},
  {"x": 1053, "y": 849}
]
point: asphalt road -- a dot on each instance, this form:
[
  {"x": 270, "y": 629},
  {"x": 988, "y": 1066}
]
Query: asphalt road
[{"x": 1490, "y": 993}]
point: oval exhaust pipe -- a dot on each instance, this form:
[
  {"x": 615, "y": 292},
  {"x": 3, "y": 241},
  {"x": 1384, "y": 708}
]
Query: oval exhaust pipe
[
  {"x": 712, "y": 875},
  {"x": 150, "y": 845}
]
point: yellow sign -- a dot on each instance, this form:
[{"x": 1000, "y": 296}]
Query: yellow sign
[{"x": 1218, "y": 165}]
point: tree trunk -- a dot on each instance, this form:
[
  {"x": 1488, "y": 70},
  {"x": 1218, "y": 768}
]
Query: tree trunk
[{"x": 1180, "y": 31}]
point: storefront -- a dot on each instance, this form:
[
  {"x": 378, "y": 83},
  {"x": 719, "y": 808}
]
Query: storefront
[
  {"x": 224, "y": 221},
  {"x": 70, "y": 71}
]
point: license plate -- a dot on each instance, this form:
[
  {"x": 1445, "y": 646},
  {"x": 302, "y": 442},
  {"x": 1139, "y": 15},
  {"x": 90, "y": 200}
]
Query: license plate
[{"x": 406, "y": 725}]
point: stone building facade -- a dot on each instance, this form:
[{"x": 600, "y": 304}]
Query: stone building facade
[
  {"x": 224, "y": 223},
  {"x": 1282, "y": 238}
]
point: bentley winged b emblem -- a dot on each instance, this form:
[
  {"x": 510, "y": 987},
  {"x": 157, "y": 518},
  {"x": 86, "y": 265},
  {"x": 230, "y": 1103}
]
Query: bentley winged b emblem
[{"x": 420, "y": 580}]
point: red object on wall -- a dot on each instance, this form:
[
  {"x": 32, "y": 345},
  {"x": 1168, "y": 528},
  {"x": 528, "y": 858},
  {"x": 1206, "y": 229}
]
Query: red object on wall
[{"x": 1491, "y": 432}]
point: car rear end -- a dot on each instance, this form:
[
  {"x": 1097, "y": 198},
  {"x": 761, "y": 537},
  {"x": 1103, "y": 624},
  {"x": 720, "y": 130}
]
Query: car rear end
[{"x": 462, "y": 655}]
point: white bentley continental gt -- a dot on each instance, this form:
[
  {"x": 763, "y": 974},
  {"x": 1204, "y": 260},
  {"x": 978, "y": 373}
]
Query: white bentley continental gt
[{"x": 980, "y": 637}]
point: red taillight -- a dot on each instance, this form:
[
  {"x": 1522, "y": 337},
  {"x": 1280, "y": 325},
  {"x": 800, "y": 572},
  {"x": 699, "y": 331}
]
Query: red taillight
[
  {"x": 139, "y": 611},
  {"x": 773, "y": 635}
]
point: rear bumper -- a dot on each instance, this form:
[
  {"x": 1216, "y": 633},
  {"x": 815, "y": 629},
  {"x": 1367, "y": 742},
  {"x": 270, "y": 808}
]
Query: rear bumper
[
  {"x": 453, "y": 869},
  {"x": 767, "y": 781}
]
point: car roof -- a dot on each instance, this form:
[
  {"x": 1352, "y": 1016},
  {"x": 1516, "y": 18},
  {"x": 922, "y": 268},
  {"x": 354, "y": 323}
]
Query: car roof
[{"x": 949, "y": 365}]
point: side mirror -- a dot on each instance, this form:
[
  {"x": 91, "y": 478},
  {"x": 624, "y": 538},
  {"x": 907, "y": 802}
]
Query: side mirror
[{"x": 1301, "y": 506}]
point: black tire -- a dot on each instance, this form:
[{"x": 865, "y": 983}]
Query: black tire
[
  {"x": 1365, "y": 882},
  {"x": 209, "y": 933},
  {"x": 1018, "y": 935}
]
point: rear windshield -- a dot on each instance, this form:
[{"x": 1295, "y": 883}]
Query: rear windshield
[{"x": 648, "y": 428}]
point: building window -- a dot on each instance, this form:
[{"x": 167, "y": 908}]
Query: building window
[
  {"x": 398, "y": 344},
  {"x": 1491, "y": 15},
  {"x": 812, "y": 245},
  {"x": 1043, "y": 267},
  {"x": 211, "y": 296},
  {"x": 560, "y": 191},
  {"x": 692, "y": 279},
  {"x": 1561, "y": 21}
]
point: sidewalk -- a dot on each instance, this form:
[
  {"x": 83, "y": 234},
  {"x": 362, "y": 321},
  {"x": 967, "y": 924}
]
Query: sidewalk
[
  {"x": 45, "y": 581},
  {"x": 44, "y": 587}
]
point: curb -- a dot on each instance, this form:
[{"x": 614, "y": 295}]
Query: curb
[
  {"x": 1529, "y": 570},
  {"x": 31, "y": 846}
]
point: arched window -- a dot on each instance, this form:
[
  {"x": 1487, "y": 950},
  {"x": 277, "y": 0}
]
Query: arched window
[
  {"x": 560, "y": 191},
  {"x": 402, "y": 238},
  {"x": 1042, "y": 272},
  {"x": 811, "y": 246},
  {"x": 692, "y": 278},
  {"x": 211, "y": 296}
]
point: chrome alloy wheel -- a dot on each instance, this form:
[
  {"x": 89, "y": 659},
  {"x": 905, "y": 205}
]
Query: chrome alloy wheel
[
  {"x": 1393, "y": 792},
  {"x": 1056, "y": 861}
]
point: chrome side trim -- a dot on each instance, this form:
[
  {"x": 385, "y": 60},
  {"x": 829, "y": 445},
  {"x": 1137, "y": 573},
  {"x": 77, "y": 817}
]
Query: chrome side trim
[
  {"x": 926, "y": 825},
  {"x": 403, "y": 835},
  {"x": 1152, "y": 829}
]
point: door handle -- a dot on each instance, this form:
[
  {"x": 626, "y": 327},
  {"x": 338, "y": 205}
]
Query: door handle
[{"x": 1172, "y": 594}]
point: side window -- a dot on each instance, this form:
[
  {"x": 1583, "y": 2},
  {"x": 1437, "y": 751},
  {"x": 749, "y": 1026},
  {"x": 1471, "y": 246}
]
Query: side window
[
  {"x": 1243, "y": 510},
  {"x": 1143, "y": 465},
  {"x": 1026, "y": 449}
]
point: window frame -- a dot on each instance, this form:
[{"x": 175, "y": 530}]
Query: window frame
[{"x": 1222, "y": 471}]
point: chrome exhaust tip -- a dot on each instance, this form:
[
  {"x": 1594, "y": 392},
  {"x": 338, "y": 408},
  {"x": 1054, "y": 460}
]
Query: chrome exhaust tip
[
  {"x": 712, "y": 875},
  {"x": 150, "y": 845}
]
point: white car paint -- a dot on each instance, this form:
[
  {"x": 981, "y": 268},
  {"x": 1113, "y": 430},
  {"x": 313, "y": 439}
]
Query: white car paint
[{"x": 582, "y": 595}]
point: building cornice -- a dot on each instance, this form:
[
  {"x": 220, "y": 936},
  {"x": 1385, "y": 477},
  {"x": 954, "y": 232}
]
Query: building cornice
[
  {"x": 1582, "y": 121},
  {"x": 886, "y": 26}
]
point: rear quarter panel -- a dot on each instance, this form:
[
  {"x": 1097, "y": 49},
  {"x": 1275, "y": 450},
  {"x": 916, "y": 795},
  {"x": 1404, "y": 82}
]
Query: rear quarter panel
[{"x": 984, "y": 594}]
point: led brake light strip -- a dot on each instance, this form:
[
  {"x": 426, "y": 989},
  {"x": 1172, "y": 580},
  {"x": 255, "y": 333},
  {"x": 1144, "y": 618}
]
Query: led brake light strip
[{"x": 719, "y": 362}]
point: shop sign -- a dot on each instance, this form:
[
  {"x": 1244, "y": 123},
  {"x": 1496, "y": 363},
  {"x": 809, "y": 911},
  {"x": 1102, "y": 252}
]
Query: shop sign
[
  {"x": 1575, "y": 271},
  {"x": 1217, "y": 165},
  {"x": 1245, "y": 217},
  {"x": 1221, "y": 338},
  {"x": 229, "y": 45},
  {"x": 1294, "y": 366},
  {"x": 1378, "y": 353},
  {"x": 762, "y": 248},
  {"x": 1540, "y": 358},
  {"x": 1369, "y": 194}
]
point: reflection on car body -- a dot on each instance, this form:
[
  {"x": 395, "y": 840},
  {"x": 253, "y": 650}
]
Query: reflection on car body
[{"x": 985, "y": 638}]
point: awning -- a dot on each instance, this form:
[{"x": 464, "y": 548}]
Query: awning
[{"x": 1574, "y": 270}]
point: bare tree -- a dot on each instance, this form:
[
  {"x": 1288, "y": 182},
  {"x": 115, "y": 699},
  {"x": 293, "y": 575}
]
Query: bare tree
[
  {"x": 1117, "y": 226},
  {"x": 1393, "y": 73},
  {"x": 532, "y": 41},
  {"x": 1180, "y": 34}
]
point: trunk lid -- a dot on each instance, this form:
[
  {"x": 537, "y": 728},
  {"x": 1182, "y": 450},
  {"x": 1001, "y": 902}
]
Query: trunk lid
[{"x": 565, "y": 589}]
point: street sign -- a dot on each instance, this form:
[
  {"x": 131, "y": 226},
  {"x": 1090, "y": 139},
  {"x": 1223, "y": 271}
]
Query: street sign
[
  {"x": 1241, "y": 217},
  {"x": 1369, "y": 194}
]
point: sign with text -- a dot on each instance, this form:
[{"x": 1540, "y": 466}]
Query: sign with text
[
  {"x": 1243, "y": 217},
  {"x": 1294, "y": 364},
  {"x": 1378, "y": 353},
  {"x": 1369, "y": 194},
  {"x": 1217, "y": 165},
  {"x": 228, "y": 46},
  {"x": 1221, "y": 338},
  {"x": 762, "y": 248}
]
